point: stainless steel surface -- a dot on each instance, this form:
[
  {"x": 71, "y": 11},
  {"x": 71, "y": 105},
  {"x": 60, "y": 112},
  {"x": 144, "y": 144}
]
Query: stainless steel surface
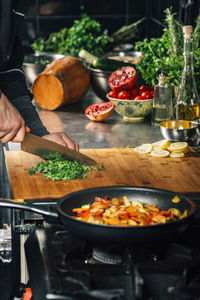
[
  {"x": 40, "y": 146},
  {"x": 178, "y": 130},
  {"x": 112, "y": 132},
  {"x": 197, "y": 122},
  {"x": 31, "y": 66}
]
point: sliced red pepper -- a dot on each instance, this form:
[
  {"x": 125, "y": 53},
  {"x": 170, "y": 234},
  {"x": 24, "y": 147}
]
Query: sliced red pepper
[{"x": 28, "y": 294}]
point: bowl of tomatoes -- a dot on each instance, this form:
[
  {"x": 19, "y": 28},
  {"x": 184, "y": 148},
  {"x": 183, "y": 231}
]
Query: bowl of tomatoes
[{"x": 134, "y": 104}]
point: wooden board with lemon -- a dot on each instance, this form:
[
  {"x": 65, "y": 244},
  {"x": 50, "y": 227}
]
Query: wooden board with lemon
[{"x": 164, "y": 148}]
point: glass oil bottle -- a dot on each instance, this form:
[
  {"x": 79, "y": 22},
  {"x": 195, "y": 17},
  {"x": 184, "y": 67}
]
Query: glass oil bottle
[
  {"x": 187, "y": 103},
  {"x": 162, "y": 102}
]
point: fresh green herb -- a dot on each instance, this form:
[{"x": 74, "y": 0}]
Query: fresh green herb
[
  {"x": 196, "y": 148},
  {"x": 31, "y": 171},
  {"x": 37, "y": 61},
  {"x": 165, "y": 54},
  {"x": 87, "y": 34},
  {"x": 57, "y": 168},
  {"x": 174, "y": 34},
  {"x": 55, "y": 43},
  {"x": 126, "y": 33}
]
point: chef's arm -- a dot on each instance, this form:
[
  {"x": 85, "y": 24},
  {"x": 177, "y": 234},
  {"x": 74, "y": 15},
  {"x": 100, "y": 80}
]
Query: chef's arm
[
  {"x": 12, "y": 126},
  {"x": 30, "y": 115},
  {"x": 13, "y": 85}
]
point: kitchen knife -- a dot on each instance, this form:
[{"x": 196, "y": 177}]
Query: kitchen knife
[{"x": 39, "y": 146}]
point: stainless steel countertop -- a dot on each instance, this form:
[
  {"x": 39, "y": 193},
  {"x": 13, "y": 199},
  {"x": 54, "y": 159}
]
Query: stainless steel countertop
[{"x": 112, "y": 132}]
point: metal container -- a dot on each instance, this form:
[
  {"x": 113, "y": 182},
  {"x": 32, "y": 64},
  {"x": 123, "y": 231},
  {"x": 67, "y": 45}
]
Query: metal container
[
  {"x": 35, "y": 63},
  {"x": 99, "y": 82},
  {"x": 197, "y": 122},
  {"x": 178, "y": 130}
]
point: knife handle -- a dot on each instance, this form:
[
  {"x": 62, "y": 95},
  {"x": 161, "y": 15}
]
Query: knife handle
[{"x": 27, "y": 129}]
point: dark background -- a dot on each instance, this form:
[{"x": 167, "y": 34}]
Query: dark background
[{"x": 45, "y": 16}]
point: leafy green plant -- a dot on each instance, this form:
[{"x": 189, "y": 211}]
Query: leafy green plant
[
  {"x": 53, "y": 43},
  {"x": 86, "y": 34},
  {"x": 57, "y": 168},
  {"x": 165, "y": 54}
]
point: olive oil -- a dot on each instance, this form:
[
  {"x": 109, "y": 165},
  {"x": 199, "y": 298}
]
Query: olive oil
[
  {"x": 187, "y": 112},
  {"x": 187, "y": 104},
  {"x": 161, "y": 113},
  {"x": 162, "y": 102}
]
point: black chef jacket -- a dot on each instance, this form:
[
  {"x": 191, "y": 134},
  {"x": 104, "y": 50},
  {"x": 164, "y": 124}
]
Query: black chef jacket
[{"x": 12, "y": 79}]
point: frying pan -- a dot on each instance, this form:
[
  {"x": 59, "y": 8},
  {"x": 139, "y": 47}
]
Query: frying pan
[{"x": 106, "y": 234}]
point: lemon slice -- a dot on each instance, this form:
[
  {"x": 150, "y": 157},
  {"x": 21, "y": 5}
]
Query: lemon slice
[
  {"x": 160, "y": 153},
  {"x": 177, "y": 154},
  {"x": 144, "y": 148},
  {"x": 178, "y": 147},
  {"x": 161, "y": 145}
]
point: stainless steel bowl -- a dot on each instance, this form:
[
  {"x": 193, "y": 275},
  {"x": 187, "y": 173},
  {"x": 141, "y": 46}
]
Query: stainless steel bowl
[
  {"x": 33, "y": 65},
  {"x": 197, "y": 122},
  {"x": 99, "y": 82},
  {"x": 99, "y": 78},
  {"x": 178, "y": 130}
]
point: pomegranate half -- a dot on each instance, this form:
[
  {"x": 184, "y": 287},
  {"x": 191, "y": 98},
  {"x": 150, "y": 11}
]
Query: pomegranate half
[
  {"x": 124, "y": 78},
  {"x": 99, "y": 111}
]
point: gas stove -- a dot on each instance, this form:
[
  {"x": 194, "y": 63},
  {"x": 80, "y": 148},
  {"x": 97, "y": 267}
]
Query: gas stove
[{"x": 62, "y": 266}]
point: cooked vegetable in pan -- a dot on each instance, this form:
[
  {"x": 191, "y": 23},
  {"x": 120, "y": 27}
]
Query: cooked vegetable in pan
[{"x": 123, "y": 212}]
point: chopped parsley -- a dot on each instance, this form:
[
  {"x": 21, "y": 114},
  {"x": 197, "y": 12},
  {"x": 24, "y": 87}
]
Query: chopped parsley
[{"x": 57, "y": 168}]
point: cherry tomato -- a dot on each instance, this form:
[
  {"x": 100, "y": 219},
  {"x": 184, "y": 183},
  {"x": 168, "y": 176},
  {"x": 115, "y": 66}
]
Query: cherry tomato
[
  {"x": 146, "y": 95},
  {"x": 113, "y": 94},
  {"x": 138, "y": 98},
  {"x": 124, "y": 95},
  {"x": 134, "y": 93},
  {"x": 143, "y": 88}
]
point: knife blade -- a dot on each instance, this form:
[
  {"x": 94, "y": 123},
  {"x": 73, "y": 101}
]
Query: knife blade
[{"x": 39, "y": 146}]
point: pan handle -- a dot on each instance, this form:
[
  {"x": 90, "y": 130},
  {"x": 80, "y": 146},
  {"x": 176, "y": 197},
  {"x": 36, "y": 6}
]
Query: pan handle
[{"x": 8, "y": 203}]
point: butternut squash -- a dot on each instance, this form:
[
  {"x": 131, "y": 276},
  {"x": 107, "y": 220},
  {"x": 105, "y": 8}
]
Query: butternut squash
[{"x": 65, "y": 80}]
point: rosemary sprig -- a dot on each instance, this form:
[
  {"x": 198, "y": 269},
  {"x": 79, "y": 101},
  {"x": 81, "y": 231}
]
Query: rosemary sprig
[
  {"x": 196, "y": 35},
  {"x": 174, "y": 33}
]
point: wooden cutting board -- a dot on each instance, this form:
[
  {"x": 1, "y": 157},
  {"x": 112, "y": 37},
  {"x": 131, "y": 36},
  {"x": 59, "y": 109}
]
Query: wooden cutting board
[{"x": 121, "y": 167}]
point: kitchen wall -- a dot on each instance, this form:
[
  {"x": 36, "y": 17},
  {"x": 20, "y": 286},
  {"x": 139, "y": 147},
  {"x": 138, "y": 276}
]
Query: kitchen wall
[{"x": 45, "y": 16}]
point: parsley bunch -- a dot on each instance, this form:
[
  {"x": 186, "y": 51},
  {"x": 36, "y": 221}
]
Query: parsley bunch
[
  {"x": 57, "y": 168},
  {"x": 85, "y": 33}
]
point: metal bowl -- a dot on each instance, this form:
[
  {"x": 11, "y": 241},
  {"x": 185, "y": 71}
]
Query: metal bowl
[
  {"x": 178, "y": 130},
  {"x": 197, "y": 122},
  {"x": 99, "y": 82},
  {"x": 35, "y": 63},
  {"x": 99, "y": 78}
]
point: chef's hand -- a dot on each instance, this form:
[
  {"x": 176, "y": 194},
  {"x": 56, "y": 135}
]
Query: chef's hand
[
  {"x": 12, "y": 126},
  {"x": 63, "y": 139}
]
